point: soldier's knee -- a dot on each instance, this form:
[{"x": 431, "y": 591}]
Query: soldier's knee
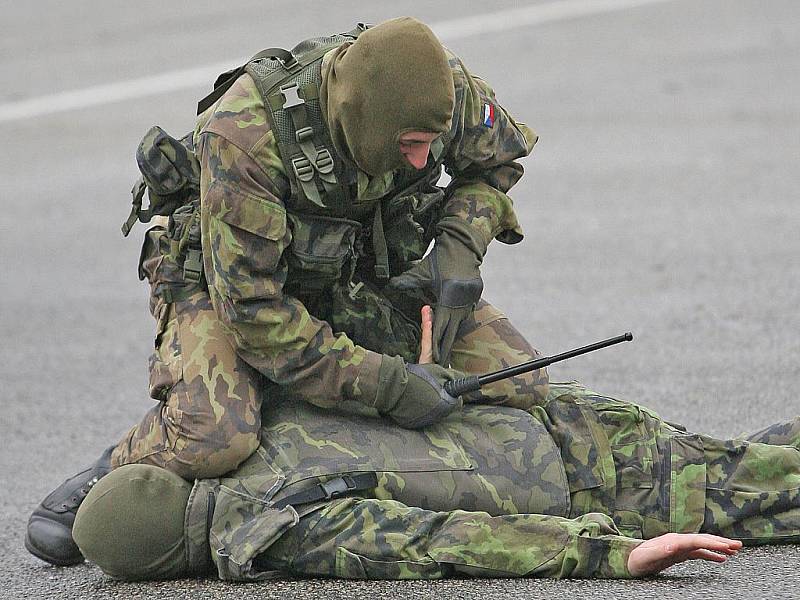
[
  {"x": 521, "y": 391},
  {"x": 200, "y": 459},
  {"x": 205, "y": 446}
]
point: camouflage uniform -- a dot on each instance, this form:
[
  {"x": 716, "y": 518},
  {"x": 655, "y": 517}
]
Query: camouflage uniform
[
  {"x": 265, "y": 323},
  {"x": 565, "y": 490}
]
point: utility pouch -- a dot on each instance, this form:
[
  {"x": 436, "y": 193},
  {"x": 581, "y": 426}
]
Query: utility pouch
[
  {"x": 321, "y": 253},
  {"x": 170, "y": 176},
  {"x": 171, "y": 259},
  {"x": 409, "y": 225},
  {"x": 371, "y": 320}
]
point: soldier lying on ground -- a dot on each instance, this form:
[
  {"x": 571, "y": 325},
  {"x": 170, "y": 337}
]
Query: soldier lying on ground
[
  {"x": 566, "y": 489},
  {"x": 293, "y": 263}
]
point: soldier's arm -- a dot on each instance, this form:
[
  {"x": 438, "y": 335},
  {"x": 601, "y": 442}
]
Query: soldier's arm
[
  {"x": 244, "y": 238},
  {"x": 481, "y": 159},
  {"x": 380, "y": 539}
]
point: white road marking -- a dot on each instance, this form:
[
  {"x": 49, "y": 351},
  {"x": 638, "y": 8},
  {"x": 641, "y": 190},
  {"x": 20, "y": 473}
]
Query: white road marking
[
  {"x": 172, "y": 81},
  {"x": 527, "y": 16}
]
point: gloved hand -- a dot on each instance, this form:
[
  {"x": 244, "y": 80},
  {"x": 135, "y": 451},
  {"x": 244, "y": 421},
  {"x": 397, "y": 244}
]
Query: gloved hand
[
  {"x": 451, "y": 272},
  {"x": 413, "y": 395}
]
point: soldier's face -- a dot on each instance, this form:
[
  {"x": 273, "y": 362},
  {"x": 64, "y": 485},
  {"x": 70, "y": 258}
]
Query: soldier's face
[{"x": 415, "y": 146}]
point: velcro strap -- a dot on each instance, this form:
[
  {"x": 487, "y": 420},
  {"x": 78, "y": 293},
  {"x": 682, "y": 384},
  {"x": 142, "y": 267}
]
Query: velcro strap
[
  {"x": 379, "y": 247},
  {"x": 334, "y": 488},
  {"x": 138, "y": 193}
]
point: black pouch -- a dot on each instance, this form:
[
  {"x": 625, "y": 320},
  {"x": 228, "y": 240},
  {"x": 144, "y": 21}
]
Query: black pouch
[
  {"x": 321, "y": 252},
  {"x": 170, "y": 176},
  {"x": 409, "y": 225}
]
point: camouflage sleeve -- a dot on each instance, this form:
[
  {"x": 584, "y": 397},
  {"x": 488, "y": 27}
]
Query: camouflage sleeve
[
  {"x": 593, "y": 548},
  {"x": 481, "y": 158},
  {"x": 384, "y": 539},
  {"x": 244, "y": 237}
]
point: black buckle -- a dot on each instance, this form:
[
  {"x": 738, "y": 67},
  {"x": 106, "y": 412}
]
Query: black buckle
[
  {"x": 324, "y": 161},
  {"x": 193, "y": 266},
  {"x": 302, "y": 168},
  {"x": 338, "y": 487},
  {"x": 306, "y": 133}
]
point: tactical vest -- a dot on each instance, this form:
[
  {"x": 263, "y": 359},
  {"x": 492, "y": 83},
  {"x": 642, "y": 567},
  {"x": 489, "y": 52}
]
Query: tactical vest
[
  {"x": 488, "y": 458},
  {"x": 329, "y": 234},
  {"x": 336, "y": 248}
]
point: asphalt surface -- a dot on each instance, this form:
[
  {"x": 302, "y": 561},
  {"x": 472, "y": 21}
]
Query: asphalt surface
[{"x": 662, "y": 199}]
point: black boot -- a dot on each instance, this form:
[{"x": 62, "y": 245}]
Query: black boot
[{"x": 49, "y": 535}]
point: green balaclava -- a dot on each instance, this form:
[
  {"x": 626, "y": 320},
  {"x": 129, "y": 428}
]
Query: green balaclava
[
  {"x": 131, "y": 523},
  {"x": 393, "y": 79}
]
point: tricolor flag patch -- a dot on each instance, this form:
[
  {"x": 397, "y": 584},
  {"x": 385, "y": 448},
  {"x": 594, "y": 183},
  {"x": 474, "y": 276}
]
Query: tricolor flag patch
[{"x": 488, "y": 114}]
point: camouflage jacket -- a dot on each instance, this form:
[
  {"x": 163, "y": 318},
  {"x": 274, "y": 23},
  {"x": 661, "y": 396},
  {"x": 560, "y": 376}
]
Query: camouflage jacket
[
  {"x": 591, "y": 475},
  {"x": 251, "y": 245}
]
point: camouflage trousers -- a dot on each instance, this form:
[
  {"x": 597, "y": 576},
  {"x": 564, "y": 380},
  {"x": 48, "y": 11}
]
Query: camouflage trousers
[
  {"x": 208, "y": 419},
  {"x": 620, "y": 459}
]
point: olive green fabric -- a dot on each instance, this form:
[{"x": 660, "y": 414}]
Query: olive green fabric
[
  {"x": 131, "y": 523},
  {"x": 393, "y": 79},
  {"x": 256, "y": 257},
  {"x": 412, "y": 395}
]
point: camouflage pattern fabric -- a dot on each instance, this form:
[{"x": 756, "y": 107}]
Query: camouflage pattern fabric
[
  {"x": 753, "y": 487},
  {"x": 630, "y": 476},
  {"x": 466, "y": 495},
  {"x": 208, "y": 416},
  {"x": 207, "y": 419},
  {"x": 258, "y": 245},
  {"x": 168, "y": 166},
  {"x": 383, "y": 539},
  {"x": 492, "y": 459},
  {"x": 170, "y": 175},
  {"x": 209, "y": 412},
  {"x": 624, "y": 461},
  {"x": 286, "y": 305}
]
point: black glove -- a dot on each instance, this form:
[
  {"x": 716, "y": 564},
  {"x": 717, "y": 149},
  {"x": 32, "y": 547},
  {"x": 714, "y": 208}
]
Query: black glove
[
  {"x": 451, "y": 272},
  {"x": 413, "y": 395}
]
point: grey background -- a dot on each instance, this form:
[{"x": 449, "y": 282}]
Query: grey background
[{"x": 661, "y": 198}]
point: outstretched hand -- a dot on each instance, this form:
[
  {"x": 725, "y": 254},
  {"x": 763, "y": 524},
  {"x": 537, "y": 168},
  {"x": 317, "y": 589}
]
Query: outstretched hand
[
  {"x": 670, "y": 549},
  {"x": 426, "y": 341}
]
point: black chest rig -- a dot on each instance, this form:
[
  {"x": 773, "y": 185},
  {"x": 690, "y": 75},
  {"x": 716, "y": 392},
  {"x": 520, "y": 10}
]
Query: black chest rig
[
  {"x": 336, "y": 238},
  {"x": 343, "y": 251}
]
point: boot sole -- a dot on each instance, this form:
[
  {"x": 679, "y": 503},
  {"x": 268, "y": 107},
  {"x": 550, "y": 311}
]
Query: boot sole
[{"x": 59, "y": 562}]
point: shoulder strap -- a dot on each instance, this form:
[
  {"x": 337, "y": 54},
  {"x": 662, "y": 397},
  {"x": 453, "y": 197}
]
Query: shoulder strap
[
  {"x": 226, "y": 79},
  {"x": 291, "y": 99},
  {"x": 288, "y": 83}
]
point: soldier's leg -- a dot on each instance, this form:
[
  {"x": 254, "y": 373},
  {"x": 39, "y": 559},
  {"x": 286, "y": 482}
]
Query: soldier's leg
[
  {"x": 488, "y": 341},
  {"x": 753, "y": 488},
  {"x": 664, "y": 479},
  {"x": 359, "y": 538},
  {"x": 207, "y": 418}
]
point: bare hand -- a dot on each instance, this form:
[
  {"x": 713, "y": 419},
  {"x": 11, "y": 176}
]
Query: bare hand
[
  {"x": 426, "y": 342},
  {"x": 672, "y": 548}
]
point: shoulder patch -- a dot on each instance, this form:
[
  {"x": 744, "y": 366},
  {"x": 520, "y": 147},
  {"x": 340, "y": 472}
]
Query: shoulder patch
[{"x": 488, "y": 114}]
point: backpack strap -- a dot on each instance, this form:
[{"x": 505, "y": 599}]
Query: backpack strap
[{"x": 226, "y": 79}]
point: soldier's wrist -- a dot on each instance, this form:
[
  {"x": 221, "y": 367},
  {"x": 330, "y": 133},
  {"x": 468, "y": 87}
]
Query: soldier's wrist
[
  {"x": 614, "y": 564},
  {"x": 392, "y": 382},
  {"x": 365, "y": 387}
]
